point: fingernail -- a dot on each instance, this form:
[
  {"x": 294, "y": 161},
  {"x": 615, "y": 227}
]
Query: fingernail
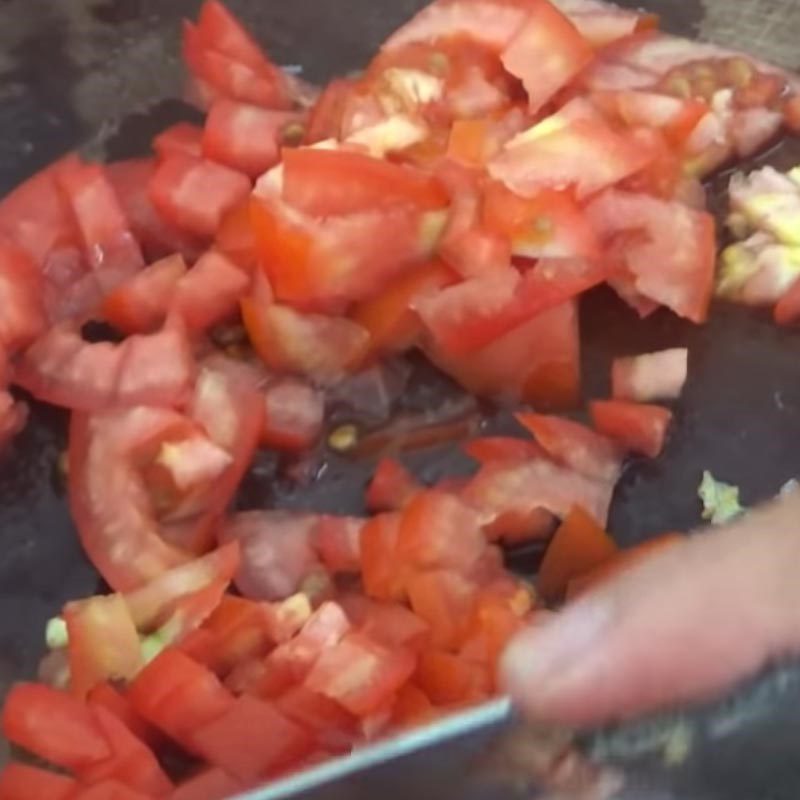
[{"x": 537, "y": 658}]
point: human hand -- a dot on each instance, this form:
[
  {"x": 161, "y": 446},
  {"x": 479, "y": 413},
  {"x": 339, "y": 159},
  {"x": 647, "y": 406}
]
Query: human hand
[{"x": 684, "y": 625}]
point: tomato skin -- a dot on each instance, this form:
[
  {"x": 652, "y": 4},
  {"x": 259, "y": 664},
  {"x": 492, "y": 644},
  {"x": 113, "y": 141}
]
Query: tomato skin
[
  {"x": 546, "y": 53},
  {"x": 332, "y": 182},
  {"x": 332, "y": 726},
  {"x": 392, "y": 486},
  {"x": 787, "y": 309},
  {"x": 106, "y": 696},
  {"x": 24, "y": 782},
  {"x": 183, "y": 137},
  {"x": 359, "y": 674},
  {"x": 54, "y": 726},
  {"x": 245, "y": 137},
  {"x": 638, "y": 427},
  {"x": 194, "y": 194}
]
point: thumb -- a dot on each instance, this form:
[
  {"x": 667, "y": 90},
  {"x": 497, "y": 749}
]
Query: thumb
[{"x": 682, "y": 626}]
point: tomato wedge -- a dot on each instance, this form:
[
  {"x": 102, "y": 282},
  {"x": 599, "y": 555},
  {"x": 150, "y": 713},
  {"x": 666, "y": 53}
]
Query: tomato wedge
[{"x": 640, "y": 428}]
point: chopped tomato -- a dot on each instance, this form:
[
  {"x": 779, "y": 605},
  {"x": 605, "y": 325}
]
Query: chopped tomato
[
  {"x": 228, "y": 741},
  {"x": 394, "y": 625},
  {"x": 212, "y": 783},
  {"x": 412, "y": 707},
  {"x": 637, "y": 427},
  {"x": 389, "y": 316},
  {"x": 141, "y": 304},
  {"x": 209, "y": 293},
  {"x": 674, "y": 261},
  {"x": 109, "y": 245},
  {"x": 61, "y": 368},
  {"x": 392, "y": 486},
  {"x": 338, "y": 542},
  {"x": 23, "y": 317},
  {"x": 438, "y": 531},
  {"x": 447, "y": 679},
  {"x": 621, "y": 561},
  {"x": 54, "y": 726},
  {"x": 103, "y": 642},
  {"x": 578, "y": 546},
  {"x": 549, "y": 225},
  {"x": 444, "y": 599},
  {"x": 183, "y": 137},
  {"x": 245, "y": 137},
  {"x": 110, "y": 789},
  {"x": 324, "y": 348},
  {"x": 489, "y": 449},
  {"x": 286, "y": 618},
  {"x": 24, "y": 782},
  {"x": 106, "y": 696},
  {"x": 177, "y": 695},
  {"x": 324, "y": 264},
  {"x": 359, "y": 674},
  {"x": 651, "y": 376},
  {"x": 325, "y": 117},
  {"x": 293, "y": 415},
  {"x": 537, "y": 362},
  {"x": 380, "y": 571},
  {"x": 546, "y": 53},
  {"x": 331, "y": 182},
  {"x": 575, "y": 445},
  {"x": 332, "y": 725},
  {"x": 194, "y": 194},
  {"x": 235, "y": 237}
]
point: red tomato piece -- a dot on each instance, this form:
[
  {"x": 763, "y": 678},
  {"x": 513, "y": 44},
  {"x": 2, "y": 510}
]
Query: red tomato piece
[
  {"x": 359, "y": 674},
  {"x": 549, "y": 225},
  {"x": 637, "y": 427},
  {"x": 674, "y": 261},
  {"x": 651, "y": 376},
  {"x": 54, "y": 726},
  {"x": 321, "y": 347},
  {"x": 194, "y": 194},
  {"x": 106, "y": 696},
  {"x": 13, "y": 417},
  {"x": 132, "y": 762},
  {"x": 103, "y": 642},
  {"x": 512, "y": 496},
  {"x": 412, "y": 707},
  {"x": 62, "y": 369},
  {"x": 277, "y": 552},
  {"x": 447, "y": 679},
  {"x": 157, "y": 236},
  {"x": 235, "y": 237},
  {"x": 183, "y": 137},
  {"x": 228, "y": 741},
  {"x": 394, "y": 625},
  {"x": 546, "y": 53},
  {"x": 323, "y": 264},
  {"x": 389, "y": 316},
  {"x": 787, "y": 309},
  {"x": 338, "y": 543},
  {"x": 294, "y": 415},
  {"x": 578, "y": 546},
  {"x": 177, "y": 695},
  {"x": 23, "y": 317},
  {"x": 332, "y": 725},
  {"x": 331, "y": 182},
  {"x": 111, "y": 789},
  {"x": 24, "y": 782},
  {"x": 141, "y": 304},
  {"x": 212, "y": 783},
  {"x": 219, "y": 29},
  {"x": 245, "y": 137},
  {"x": 444, "y": 599},
  {"x": 109, "y": 245},
  {"x": 489, "y": 449},
  {"x": 380, "y": 571},
  {"x": 575, "y": 445},
  {"x": 325, "y": 117},
  {"x": 391, "y": 487},
  {"x": 537, "y": 362},
  {"x": 209, "y": 293},
  {"x": 437, "y": 531},
  {"x": 580, "y": 152}
]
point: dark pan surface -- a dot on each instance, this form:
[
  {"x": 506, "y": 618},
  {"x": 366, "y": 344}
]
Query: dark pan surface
[{"x": 70, "y": 73}]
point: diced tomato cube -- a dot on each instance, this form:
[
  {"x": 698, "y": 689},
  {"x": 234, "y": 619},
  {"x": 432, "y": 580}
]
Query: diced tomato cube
[
  {"x": 183, "y": 137},
  {"x": 444, "y": 599},
  {"x": 638, "y": 427},
  {"x": 412, "y": 707},
  {"x": 54, "y": 726},
  {"x": 446, "y": 678},
  {"x": 392, "y": 486},
  {"x": 294, "y": 413},
  {"x": 251, "y": 739},
  {"x": 110, "y": 789},
  {"x": 360, "y": 674},
  {"x": 210, "y": 784},
  {"x": 394, "y": 625},
  {"x": 381, "y": 572},
  {"x": 106, "y": 696},
  {"x": 338, "y": 542},
  {"x": 24, "y": 782},
  {"x": 333, "y": 726},
  {"x": 194, "y": 194}
]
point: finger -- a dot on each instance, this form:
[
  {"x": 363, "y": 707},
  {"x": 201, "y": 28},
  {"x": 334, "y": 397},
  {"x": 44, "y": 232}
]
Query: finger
[{"x": 683, "y": 626}]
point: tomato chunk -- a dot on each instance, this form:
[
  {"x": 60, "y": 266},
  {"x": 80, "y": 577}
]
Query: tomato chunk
[
  {"x": 359, "y": 674},
  {"x": 447, "y": 679},
  {"x": 639, "y": 428},
  {"x": 380, "y": 570},
  {"x": 294, "y": 415},
  {"x": 338, "y": 542},
  {"x": 183, "y": 137},
  {"x": 23, "y": 782},
  {"x": 194, "y": 194},
  {"x": 444, "y": 599},
  {"x": 23, "y": 316},
  {"x": 392, "y": 486}
]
